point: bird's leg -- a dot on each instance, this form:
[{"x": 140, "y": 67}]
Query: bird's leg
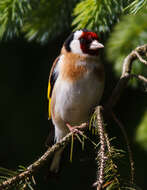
[{"x": 76, "y": 128}]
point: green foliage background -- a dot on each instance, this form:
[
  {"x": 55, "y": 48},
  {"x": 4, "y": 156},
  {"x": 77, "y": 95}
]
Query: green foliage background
[{"x": 31, "y": 32}]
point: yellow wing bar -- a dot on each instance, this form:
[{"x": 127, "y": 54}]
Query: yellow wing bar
[{"x": 49, "y": 99}]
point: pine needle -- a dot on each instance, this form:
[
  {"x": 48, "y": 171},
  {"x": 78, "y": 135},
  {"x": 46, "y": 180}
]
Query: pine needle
[{"x": 71, "y": 147}]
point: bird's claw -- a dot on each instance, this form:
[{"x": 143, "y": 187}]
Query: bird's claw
[{"x": 76, "y": 129}]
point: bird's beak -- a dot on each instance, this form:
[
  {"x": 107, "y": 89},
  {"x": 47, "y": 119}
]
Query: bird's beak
[{"x": 95, "y": 45}]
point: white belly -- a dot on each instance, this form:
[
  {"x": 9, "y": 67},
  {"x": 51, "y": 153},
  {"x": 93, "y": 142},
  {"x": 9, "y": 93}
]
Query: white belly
[{"x": 75, "y": 101}]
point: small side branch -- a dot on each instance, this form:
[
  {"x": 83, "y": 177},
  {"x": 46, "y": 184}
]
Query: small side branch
[
  {"x": 139, "y": 77},
  {"x": 41, "y": 161},
  {"x": 140, "y": 58}
]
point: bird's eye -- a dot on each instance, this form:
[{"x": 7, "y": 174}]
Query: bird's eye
[{"x": 89, "y": 40}]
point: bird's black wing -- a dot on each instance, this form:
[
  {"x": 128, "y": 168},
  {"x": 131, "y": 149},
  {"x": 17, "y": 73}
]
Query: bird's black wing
[{"x": 52, "y": 79}]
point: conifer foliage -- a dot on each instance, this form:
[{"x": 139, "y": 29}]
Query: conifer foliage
[
  {"x": 97, "y": 15},
  {"x": 12, "y": 16},
  {"x": 124, "y": 24},
  {"x": 39, "y": 20}
]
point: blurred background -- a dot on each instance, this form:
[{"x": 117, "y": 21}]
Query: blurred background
[{"x": 32, "y": 34}]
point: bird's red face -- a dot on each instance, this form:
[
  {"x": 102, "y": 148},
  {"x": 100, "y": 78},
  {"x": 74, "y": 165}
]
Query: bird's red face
[
  {"x": 89, "y": 43},
  {"x": 83, "y": 42}
]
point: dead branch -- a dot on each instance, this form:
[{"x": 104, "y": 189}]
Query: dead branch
[
  {"x": 140, "y": 58},
  {"x": 126, "y": 74}
]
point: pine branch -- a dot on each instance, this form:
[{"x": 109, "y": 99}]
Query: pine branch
[
  {"x": 41, "y": 161},
  {"x": 102, "y": 151},
  {"x": 107, "y": 172},
  {"x": 12, "y": 16},
  {"x": 104, "y": 140},
  {"x": 39, "y": 20},
  {"x": 136, "y": 6},
  {"x": 97, "y": 16},
  {"x": 49, "y": 19}
]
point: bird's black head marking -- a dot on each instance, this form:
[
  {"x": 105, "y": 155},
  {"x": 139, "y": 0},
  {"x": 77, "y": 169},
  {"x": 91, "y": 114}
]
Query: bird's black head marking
[
  {"x": 68, "y": 40},
  {"x": 85, "y": 30}
]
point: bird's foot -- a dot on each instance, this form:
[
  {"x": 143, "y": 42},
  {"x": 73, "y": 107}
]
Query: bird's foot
[{"x": 76, "y": 129}]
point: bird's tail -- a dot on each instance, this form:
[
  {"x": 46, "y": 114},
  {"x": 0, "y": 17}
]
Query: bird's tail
[{"x": 55, "y": 164}]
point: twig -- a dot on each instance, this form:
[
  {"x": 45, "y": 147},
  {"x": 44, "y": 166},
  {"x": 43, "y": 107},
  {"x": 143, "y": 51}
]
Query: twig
[
  {"x": 126, "y": 71},
  {"x": 128, "y": 145},
  {"x": 41, "y": 161},
  {"x": 101, "y": 152},
  {"x": 139, "y": 77},
  {"x": 140, "y": 58}
]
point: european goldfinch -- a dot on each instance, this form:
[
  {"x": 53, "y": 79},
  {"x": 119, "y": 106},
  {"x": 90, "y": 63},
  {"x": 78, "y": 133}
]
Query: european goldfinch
[{"x": 76, "y": 84}]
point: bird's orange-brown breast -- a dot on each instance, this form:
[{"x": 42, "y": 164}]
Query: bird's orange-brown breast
[{"x": 72, "y": 70}]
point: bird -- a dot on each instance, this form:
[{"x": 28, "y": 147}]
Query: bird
[{"x": 76, "y": 84}]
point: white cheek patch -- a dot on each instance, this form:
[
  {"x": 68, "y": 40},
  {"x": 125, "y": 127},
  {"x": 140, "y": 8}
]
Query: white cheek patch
[
  {"x": 75, "y": 43},
  {"x": 77, "y": 34},
  {"x": 75, "y": 47}
]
